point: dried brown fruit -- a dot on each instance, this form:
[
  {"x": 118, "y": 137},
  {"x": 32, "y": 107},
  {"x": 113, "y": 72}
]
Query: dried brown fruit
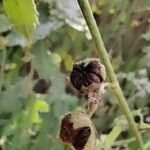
[
  {"x": 87, "y": 75},
  {"x": 78, "y": 131},
  {"x": 41, "y": 86}
]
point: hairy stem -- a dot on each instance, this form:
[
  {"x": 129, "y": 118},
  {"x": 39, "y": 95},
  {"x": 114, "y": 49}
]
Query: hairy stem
[{"x": 87, "y": 13}]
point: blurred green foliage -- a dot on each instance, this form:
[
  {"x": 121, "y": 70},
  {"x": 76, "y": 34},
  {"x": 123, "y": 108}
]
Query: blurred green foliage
[{"x": 33, "y": 70}]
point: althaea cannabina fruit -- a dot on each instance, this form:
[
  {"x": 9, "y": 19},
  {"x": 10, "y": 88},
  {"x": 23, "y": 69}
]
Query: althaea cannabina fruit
[{"x": 87, "y": 75}]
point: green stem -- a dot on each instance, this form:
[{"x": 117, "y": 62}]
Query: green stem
[
  {"x": 87, "y": 13},
  {"x": 2, "y": 67}
]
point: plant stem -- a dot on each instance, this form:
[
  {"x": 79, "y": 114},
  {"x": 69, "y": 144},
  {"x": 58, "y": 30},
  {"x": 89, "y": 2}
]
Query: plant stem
[
  {"x": 87, "y": 13},
  {"x": 2, "y": 67}
]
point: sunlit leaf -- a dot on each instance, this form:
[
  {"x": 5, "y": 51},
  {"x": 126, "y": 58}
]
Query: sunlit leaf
[
  {"x": 68, "y": 62},
  {"x": 23, "y": 14},
  {"x": 55, "y": 58},
  {"x": 35, "y": 106},
  {"x": 2, "y": 43},
  {"x": 42, "y": 106}
]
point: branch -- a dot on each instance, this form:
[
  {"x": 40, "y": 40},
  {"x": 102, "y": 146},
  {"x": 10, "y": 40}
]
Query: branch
[{"x": 87, "y": 13}]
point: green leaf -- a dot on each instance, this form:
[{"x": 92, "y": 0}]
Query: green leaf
[
  {"x": 47, "y": 136},
  {"x": 23, "y": 15},
  {"x": 32, "y": 113},
  {"x": 43, "y": 30},
  {"x": 146, "y": 49},
  {"x": 69, "y": 10},
  {"x": 4, "y": 23},
  {"x": 45, "y": 62},
  {"x": 63, "y": 105},
  {"x": 15, "y": 38},
  {"x": 10, "y": 99},
  {"x": 42, "y": 61},
  {"x": 68, "y": 62},
  {"x": 42, "y": 106},
  {"x": 146, "y": 36}
]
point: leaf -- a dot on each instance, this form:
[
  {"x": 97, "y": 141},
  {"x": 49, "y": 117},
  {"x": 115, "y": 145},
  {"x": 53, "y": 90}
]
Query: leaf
[
  {"x": 146, "y": 49},
  {"x": 34, "y": 116},
  {"x": 43, "y": 30},
  {"x": 10, "y": 99},
  {"x": 67, "y": 6},
  {"x": 42, "y": 61},
  {"x": 42, "y": 106},
  {"x": 112, "y": 136},
  {"x": 23, "y": 15},
  {"x": 72, "y": 14},
  {"x": 4, "y": 23},
  {"x": 146, "y": 36},
  {"x": 15, "y": 38},
  {"x": 68, "y": 62},
  {"x": 2, "y": 44},
  {"x": 47, "y": 135},
  {"x": 64, "y": 104},
  {"x": 46, "y": 63},
  {"x": 34, "y": 107},
  {"x": 55, "y": 58}
]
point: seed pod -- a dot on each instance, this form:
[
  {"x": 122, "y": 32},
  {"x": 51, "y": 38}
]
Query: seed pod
[
  {"x": 87, "y": 75},
  {"x": 41, "y": 86},
  {"x": 78, "y": 131}
]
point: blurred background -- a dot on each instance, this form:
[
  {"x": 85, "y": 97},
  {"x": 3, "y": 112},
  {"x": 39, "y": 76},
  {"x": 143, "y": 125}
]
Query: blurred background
[{"x": 33, "y": 89}]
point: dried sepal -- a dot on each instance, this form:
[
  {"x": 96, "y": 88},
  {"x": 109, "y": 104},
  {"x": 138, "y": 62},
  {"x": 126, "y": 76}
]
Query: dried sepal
[{"x": 78, "y": 131}]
